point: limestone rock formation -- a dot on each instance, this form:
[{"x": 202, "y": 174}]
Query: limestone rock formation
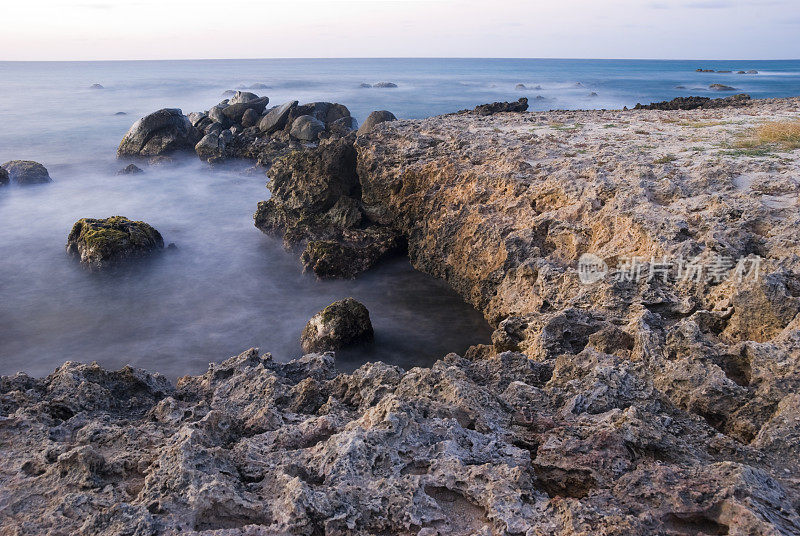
[
  {"x": 26, "y": 172},
  {"x": 99, "y": 244},
  {"x": 159, "y": 133},
  {"x": 340, "y": 324}
]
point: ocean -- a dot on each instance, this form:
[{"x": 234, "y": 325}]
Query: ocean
[{"x": 229, "y": 287}]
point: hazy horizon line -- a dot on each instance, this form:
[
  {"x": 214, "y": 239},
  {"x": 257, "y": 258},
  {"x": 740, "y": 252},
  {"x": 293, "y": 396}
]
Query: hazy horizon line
[{"x": 397, "y": 58}]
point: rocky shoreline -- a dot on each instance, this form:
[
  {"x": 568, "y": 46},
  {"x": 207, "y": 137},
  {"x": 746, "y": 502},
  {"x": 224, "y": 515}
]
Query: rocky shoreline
[{"x": 642, "y": 378}]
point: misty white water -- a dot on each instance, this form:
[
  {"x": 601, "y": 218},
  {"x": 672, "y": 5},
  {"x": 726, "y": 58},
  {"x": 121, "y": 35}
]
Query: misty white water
[{"x": 229, "y": 287}]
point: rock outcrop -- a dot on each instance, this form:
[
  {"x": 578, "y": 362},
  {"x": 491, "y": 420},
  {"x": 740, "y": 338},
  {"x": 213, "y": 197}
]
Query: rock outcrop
[
  {"x": 130, "y": 169},
  {"x": 99, "y": 244},
  {"x": 316, "y": 204},
  {"x": 340, "y": 324},
  {"x": 692, "y": 103},
  {"x": 26, "y": 172},
  {"x": 500, "y": 107},
  {"x": 4, "y": 178},
  {"x": 159, "y": 133}
]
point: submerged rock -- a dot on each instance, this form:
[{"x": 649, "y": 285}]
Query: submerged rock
[
  {"x": 340, "y": 324},
  {"x": 376, "y": 118},
  {"x": 105, "y": 242},
  {"x": 26, "y": 172},
  {"x": 130, "y": 169},
  {"x": 721, "y": 87},
  {"x": 159, "y": 133}
]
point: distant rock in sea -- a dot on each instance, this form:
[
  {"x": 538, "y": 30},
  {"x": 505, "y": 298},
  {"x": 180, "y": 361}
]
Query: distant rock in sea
[
  {"x": 751, "y": 71},
  {"x": 593, "y": 94},
  {"x": 721, "y": 87},
  {"x": 257, "y": 85},
  {"x": 704, "y": 70},
  {"x": 364, "y": 84},
  {"x": 520, "y": 87},
  {"x": 121, "y": 113},
  {"x": 96, "y": 86},
  {"x": 680, "y": 87},
  {"x": 384, "y": 85}
]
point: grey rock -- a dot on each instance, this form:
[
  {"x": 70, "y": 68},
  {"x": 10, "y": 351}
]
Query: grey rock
[
  {"x": 96, "y": 86},
  {"x": 211, "y": 145},
  {"x": 4, "y": 179},
  {"x": 339, "y": 325},
  {"x": 385, "y": 85},
  {"x": 721, "y": 87},
  {"x": 159, "y": 133},
  {"x": 216, "y": 114},
  {"x": 243, "y": 96},
  {"x": 250, "y": 118},
  {"x": 364, "y": 85},
  {"x": 375, "y": 118},
  {"x": 235, "y": 111},
  {"x": 26, "y": 172},
  {"x": 276, "y": 118},
  {"x": 307, "y": 128},
  {"x": 343, "y": 126},
  {"x": 130, "y": 169}
]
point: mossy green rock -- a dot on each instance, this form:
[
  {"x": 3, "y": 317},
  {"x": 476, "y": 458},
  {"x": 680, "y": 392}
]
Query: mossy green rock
[
  {"x": 340, "y": 324},
  {"x": 102, "y": 243}
]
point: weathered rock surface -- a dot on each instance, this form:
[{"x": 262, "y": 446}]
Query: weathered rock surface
[
  {"x": 276, "y": 118},
  {"x": 375, "y": 118},
  {"x": 626, "y": 406},
  {"x": 4, "y": 179},
  {"x": 99, "y": 244},
  {"x": 159, "y": 133},
  {"x": 26, "y": 172},
  {"x": 340, "y": 324},
  {"x": 316, "y": 204}
]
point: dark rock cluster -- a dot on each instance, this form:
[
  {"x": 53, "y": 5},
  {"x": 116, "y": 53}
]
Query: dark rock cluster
[{"x": 692, "y": 103}]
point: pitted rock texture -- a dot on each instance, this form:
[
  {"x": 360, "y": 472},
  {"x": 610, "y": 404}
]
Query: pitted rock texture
[{"x": 498, "y": 444}]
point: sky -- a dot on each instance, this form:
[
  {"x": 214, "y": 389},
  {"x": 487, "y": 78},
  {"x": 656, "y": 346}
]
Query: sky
[{"x": 201, "y": 29}]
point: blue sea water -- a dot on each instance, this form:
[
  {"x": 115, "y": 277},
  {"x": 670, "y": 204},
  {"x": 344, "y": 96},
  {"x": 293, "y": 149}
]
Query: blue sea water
[{"x": 230, "y": 287}]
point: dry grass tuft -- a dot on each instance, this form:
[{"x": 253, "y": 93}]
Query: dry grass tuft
[{"x": 783, "y": 134}]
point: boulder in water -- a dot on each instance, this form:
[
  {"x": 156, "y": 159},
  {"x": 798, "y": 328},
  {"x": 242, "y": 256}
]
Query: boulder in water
[
  {"x": 161, "y": 132},
  {"x": 105, "y": 242},
  {"x": 235, "y": 111},
  {"x": 520, "y": 87},
  {"x": 340, "y": 324},
  {"x": 96, "y": 86},
  {"x": 26, "y": 172},
  {"x": 307, "y": 128},
  {"x": 276, "y": 118},
  {"x": 364, "y": 85},
  {"x": 375, "y": 118},
  {"x": 721, "y": 87},
  {"x": 385, "y": 85},
  {"x": 130, "y": 169}
]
